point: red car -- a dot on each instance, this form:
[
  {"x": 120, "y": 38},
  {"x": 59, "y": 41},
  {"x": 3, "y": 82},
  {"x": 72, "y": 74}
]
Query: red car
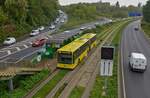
[{"x": 39, "y": 42}]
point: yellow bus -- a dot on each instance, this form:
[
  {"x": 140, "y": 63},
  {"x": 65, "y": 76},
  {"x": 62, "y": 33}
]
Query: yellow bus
[{"x": 73, "y": 53}]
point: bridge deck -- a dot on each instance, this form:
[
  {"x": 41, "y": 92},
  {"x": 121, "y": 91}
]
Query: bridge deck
[{"x": 13, "y": 71}]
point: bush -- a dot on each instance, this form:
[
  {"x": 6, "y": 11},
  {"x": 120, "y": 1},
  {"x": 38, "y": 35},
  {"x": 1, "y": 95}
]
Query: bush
[
  {"x": 22, "y": 84},
  {"x": 19, "y": 17}
]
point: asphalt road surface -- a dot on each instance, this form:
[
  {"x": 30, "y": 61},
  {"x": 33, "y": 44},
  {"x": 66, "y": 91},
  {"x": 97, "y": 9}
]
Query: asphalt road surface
[
  {"x": 137, "y": 85},
  {"x": 24, "y": 50}
]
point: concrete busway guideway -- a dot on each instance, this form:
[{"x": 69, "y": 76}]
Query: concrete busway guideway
[{"x": 73, "y": 77}]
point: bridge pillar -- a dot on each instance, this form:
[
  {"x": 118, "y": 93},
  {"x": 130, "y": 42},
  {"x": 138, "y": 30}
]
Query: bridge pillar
[{"x": 10, "y": 84}]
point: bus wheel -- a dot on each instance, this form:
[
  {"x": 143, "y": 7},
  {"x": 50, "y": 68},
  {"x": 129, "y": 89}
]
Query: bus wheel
[{"x": 79, "y": 61}]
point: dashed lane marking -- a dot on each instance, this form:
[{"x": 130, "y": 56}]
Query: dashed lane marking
[
  {"x": 25, "y": 46},
  {"x": 30, "y": 43},
  {"x": 9, "y": 52},
  {"x": 18, "y": 49}
]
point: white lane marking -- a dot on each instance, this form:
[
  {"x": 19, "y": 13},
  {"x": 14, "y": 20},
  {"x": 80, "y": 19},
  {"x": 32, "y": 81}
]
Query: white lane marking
[
  {"x": 25, "y": 46},
  {"x": 123, "y": 82},
  {"x": 3, "y": 51},
  {"x": 27, "y": 56},
  {"x": 49, "y": 36},
  {"x": 9, "y": 52},
  {"x": 30, "y": 43},
  {"x": 18, "y": 49}
]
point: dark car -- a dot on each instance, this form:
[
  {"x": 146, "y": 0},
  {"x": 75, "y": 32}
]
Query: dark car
[{"x": 136, "y": 28}]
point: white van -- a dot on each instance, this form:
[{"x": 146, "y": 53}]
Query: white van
[{"x": 138, "y": 62}]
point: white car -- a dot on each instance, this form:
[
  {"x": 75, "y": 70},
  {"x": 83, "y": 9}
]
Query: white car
[
  {"x": 62, "y": 21},
  {"x": 89, "y": 28},
  {"x": 52, "y": 27},
  {"x": 34, "y": 33},
  {"x": 57, "y": 20},
  {"x": 96, "y": 23},
  {"x": 82, "y": 28},
  {"x": 66, "y": 31},
  {"x": 110, "y": 20},
  {"x": 9, "y": 41},
  {"x": 138, "y": 62},
  {"x": 41, "y": 28}
]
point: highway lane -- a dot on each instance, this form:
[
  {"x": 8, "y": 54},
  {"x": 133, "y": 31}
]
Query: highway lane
[
  {"x": 26, "y": 43},
  {"x": 30, "y": 51},
  {"x": 137, "y": 85},
  {"x": 46, "y": 30}
]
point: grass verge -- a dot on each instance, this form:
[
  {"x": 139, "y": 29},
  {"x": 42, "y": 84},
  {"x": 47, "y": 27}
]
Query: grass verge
[
  {"x": 112, "y": 82},
  {"x": 60, "y": 90},
  {"x": 77, "y": 92},
  {"x": 50, "y": 85},
  {"x": 146, "y": 28},
  {"x": 100, "y": 30}
]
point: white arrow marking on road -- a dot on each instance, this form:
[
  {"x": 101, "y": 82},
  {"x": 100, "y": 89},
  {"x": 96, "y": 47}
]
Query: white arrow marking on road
[
  {"x": 25, "y": 46},
  {"x": 18, "y": 49},
  {"x": 30, "y": 43},
  {"x": 9, "y": 52}
]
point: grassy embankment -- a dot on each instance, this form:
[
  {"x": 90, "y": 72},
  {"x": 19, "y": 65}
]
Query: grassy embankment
[
  {"x": 146, "y": 28},
  {"x": 112, "y": 82},
  {"x": 50, "y": 85},
  {"x": 78, "y": 91},
  {"x": 100, "y": 30}
]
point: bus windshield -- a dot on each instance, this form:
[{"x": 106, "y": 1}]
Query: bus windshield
[{"x": 64, "y": 58}]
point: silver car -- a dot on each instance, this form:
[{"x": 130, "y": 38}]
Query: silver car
[{"x": 9, "y": 41}]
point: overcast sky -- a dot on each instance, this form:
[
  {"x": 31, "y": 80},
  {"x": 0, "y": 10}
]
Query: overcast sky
[{"x": 122, "y": 2}]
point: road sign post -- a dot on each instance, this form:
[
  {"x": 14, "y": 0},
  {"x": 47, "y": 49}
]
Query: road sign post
[{"x": 106, "y": 65}]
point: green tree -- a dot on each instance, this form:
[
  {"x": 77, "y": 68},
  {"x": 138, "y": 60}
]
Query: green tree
[
  {"x": 146, "y": 11},
  {"x": 117, "y": 4},
  {"x": 3, "y": 17},
  {"x": 139, "y": 5},
  {"x": 16, "y": 9},
  {"x": 2, "y": 2}
]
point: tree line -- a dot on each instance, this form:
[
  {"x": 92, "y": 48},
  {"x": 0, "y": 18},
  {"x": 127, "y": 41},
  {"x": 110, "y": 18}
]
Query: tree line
[
  {"x": 17, "y": 17},
  {"x": 94, "y": 10},
  {"x": 146, "y": 12}
]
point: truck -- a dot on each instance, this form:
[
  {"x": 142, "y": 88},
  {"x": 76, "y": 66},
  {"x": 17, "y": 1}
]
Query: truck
[{"x": 137, "y": 62}]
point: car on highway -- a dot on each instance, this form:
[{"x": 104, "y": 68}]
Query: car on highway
[
  {"x": 66, "y": 31},
  {"x": 96, "y": 24},
  {"x": 9, "y": 41},
  {"x": 136, "y": 28},
  {"x": 34, "y": 32},
  {"x": 57, "y": 20},
  {"x": 62, "y": 21},
  {"x": 41, "y": 28},
  {"x": 89, "y": 28},
  {"x": 110, "y": 21},
  {"x": 137, "y": 62},
  {"x": 61, "y": 12},
  {"x": 52, "y": 27},
  {"x": 82, "y": 28},
  {"x": 39, "y": 42}
]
